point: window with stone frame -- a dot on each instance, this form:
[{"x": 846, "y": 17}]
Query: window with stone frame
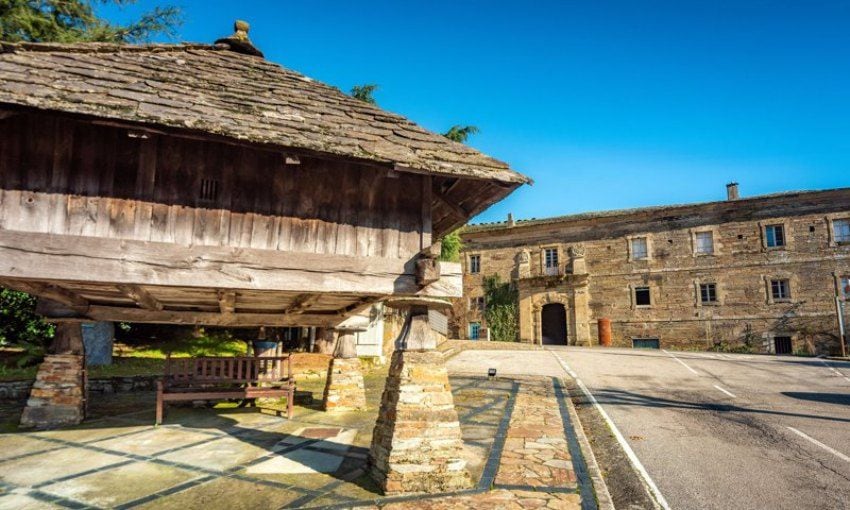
[
  {"x": 704, "y": 243},
  {"x": 639, "y": 248},
  {"x": 642, "y": 296},
  {"x": 774, "y": 236},
  {"x": 474, "y": 330},
  {"x": 780, "y": 289},
  {"x": 708, "y": 293},
  {"x": 550, "y": 261},
  {"x": 841, "y": 231},
  {"x": 477, "y": 303},
  {"x": 474, "y": 264}
]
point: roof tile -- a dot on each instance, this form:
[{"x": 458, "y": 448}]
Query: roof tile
[{"x": 210, "y": 89}]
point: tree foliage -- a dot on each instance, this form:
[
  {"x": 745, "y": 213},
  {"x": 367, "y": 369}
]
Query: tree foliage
[
  {"x": 364, "y": 92},
  {"x": 501, "y": 309},
  {"x": 461, "y": 133},
  {"x": 68, "y": 21},
  {"x": 451, "y": 246},
  {"x": 20, "y": 326}
]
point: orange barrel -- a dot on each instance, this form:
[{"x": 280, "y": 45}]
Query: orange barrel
[{"x": 604, "y": 325}]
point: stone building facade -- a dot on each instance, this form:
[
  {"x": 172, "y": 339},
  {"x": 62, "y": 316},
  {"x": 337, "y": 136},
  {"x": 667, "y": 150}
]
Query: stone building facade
[{"x": 760, "y": 272}]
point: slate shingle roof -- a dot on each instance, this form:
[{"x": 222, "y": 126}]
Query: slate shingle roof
[{"x": 210, "y": 89}]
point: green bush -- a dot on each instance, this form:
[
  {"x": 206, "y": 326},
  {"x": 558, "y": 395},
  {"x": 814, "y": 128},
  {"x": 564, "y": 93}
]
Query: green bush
[
  {"x": 21, "y": 327},
  {"x": 501, "y": 309}
]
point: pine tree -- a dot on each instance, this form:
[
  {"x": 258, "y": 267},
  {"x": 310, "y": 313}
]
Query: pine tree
[{"x": 67, "y": 21}]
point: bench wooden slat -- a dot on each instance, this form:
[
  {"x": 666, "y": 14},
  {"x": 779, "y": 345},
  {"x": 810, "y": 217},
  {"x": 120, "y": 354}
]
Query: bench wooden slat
[{"x": 216, "y": 378}]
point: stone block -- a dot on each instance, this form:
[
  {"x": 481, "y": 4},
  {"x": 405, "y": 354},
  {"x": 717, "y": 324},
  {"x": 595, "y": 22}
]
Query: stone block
[
  {"x": 344, "y": 389},
  {"x": 58, "y": 395}
]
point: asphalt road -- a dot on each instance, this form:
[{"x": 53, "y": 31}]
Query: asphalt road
[{"x": 728, "y": 431}]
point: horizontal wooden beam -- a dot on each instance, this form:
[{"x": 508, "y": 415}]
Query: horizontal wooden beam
[
  {"x": 142, "y": 297},
  {"x": 35, "y": 256},
  {"x": 121, "y": 314},
  {"x": 227, "y": 301}
]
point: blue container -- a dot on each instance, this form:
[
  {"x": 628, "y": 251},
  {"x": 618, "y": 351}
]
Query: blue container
[{"x": 98, "y": 338}]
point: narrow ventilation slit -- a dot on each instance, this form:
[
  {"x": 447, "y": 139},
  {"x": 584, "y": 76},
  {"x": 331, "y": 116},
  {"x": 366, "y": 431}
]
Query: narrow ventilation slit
[{"x": 209, "y": 189}]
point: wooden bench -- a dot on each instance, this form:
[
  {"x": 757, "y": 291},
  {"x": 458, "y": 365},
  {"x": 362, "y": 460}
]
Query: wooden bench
[{"x": 222, "y": 378}]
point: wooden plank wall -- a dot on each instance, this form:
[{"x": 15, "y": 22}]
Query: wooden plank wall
[{"x": 69, "y": 177}]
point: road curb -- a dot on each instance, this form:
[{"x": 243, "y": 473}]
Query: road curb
[
  {"x": 656, "y": 496},
  {"x": 600, "y": 488}
]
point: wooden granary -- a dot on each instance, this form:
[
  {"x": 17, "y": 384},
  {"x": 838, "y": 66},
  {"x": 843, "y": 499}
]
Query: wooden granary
[
  {"x": 202, "y": 184},
  {"x": 194, "y": 184}
]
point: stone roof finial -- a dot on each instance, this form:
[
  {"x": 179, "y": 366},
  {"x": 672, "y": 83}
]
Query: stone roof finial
[
  {"x": 239, "y": 41},
  {"x": 241, "y": 28}
]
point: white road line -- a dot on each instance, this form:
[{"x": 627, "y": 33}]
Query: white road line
[
  {"x": 656, "y": 493},
  {"x": 814, "y": 441},
  {"x": 725, "y": 391},
  {"x": 835, "y": 370},
  {"x": 680, "y": 361}
]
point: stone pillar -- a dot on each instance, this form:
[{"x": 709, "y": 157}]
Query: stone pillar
[
  {"x": 58, "y": 396},
  {"x": 581, "y": 297},
  {"x": 581, "y": 315},
  {"x": 416, "y": 444},
  {"x": 344, "y": 389}
]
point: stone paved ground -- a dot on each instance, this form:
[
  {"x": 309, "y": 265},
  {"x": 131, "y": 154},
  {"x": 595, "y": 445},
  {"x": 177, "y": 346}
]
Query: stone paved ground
[{"x": 514, "y": 435}]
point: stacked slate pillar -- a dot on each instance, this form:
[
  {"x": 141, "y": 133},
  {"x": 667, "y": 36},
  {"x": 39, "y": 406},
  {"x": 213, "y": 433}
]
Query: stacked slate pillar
[
  {"x": 344, "y": 389},
  {"x": 416, "y": 444},
  {"x": 58, "y": 396}
]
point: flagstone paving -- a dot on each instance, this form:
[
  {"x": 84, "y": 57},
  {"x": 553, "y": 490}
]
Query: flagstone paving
[{"x": 516, "y": 442}]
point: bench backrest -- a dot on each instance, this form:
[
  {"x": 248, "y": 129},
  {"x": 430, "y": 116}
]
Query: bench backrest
[{"x": 227, "y": 370}]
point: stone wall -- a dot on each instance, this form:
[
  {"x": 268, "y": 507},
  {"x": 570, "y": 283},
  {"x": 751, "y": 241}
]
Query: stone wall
[
  {"x": 741, "y": 268},
  {"x": 20, "y": 390}
]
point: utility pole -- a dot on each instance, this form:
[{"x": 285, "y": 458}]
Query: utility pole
[{"x": 839, "y": 308}]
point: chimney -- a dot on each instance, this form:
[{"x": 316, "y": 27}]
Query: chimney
[
  {"x": 732, "y": 191},
  {"x": 510, "y": 219},
  {"x": 238, "y": 42}
]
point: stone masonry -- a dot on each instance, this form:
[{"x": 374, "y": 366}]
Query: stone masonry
[
  {"x": 345, "y": 390},
  {"x": 718, "y": 245},
  {"x": 416, "y": 444},
  {"x": 58, "y": 395}
]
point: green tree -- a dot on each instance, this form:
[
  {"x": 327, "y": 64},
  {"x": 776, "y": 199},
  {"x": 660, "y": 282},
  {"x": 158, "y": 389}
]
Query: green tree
[
  {"x": 364, "y": 92},
  {"x": 501, "y": 301},
  {"x": 68, "y": 21},
  {"x": 461, "y": 133},
  {"x": 451, "y": 246}
]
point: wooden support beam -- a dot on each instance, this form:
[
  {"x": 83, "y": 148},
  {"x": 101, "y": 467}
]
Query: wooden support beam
[
  {"x": 227, "y": 302},
  {"x": 459, "y": 211},
  {"x": 26, "y": 255},
  {"x": 68, "y": 339},
  {"x": 427, "y": 271},
  {"x": 142, "y": 297},
  {"x": 302, "y": 302},
  {"x": 49, "y": 291},
  {"x": 359, "y": 305}
]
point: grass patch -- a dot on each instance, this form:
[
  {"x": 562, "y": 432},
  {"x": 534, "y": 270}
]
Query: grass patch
[
  {"x": 214, "y": 344},
  {"x": 13, "y": 373},
  {"x": 139, "y": 357}
]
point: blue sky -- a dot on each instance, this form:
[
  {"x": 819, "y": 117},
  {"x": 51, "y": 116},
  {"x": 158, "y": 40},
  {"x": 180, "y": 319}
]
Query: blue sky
[{"x": 605, "y": 104}]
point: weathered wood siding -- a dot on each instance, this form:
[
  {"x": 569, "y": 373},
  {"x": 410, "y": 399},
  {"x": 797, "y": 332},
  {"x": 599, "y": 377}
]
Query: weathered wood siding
[{"x": 62, "y": 176}]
